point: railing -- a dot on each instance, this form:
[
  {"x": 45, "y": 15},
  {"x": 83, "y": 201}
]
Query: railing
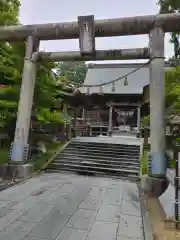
[{"x": 89, "y": 127}]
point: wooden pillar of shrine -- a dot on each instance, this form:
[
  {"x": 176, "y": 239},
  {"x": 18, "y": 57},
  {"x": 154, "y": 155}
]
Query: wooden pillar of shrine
[
  {"x": 74, "y": 124},
  {"x": 138, "y": 120},
  {"x": 110, "y": 120}
]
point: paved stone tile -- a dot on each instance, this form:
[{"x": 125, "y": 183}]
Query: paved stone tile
[
  {"x": 115, "y": 189},
  {"x": 20, "y": 192},
  {"x": 131, "y": 208},
  {"x": 92, "y": 202},
  {"x": 103, "y": 183},
  {"x": 81, "y": 184},
  {"x": 55, "y": 198},
  {"x": 16, "y": 231},
  {"x": 108, "y": 213},
  {"x": 10, "y": 204},
  {"x": 130, "y": 226},
  {"x": 72, "y": 234},
  {"x": 66, "y": 188},
  {"x": 98, "y": 191},
  {"x": 4, "y": 212},
  {"x": 3, "y": 204},
  {"x": 113, "y": 199},
  {"x": 51, "y": 226},
  {"x": 130, "y": 192},
  {"x": 9, "y": 218},
  {"x": 43, "y": 192},
  {"x": 27, "y": 204},
  {"x": 65, "y": 206},
  {"x": 33, "y": 238},
  {"x": 37, "y": 213},
  {"x": 103, "y": 231},
  {"x": 13, "y": 197},
  {"x": 15, "y": 189},
  {"x": 82, "y": 219},
  {"x": 123, "y": 238},
  {"x": 78, "y": 195},
  {"x": 54, "y": 182}
]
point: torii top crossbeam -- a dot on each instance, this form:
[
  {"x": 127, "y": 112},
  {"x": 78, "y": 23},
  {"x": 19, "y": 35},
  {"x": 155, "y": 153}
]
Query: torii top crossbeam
[{"x": 103, "y": 28}]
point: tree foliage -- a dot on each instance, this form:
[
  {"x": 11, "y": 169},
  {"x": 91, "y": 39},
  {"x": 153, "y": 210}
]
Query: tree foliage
[
  {"x": 173, "y": 91},
  {"x": 172, "y": 6},
  {"x": 74, "y": 72},
  {"x": 11, "y": 59},
  {"x": 46, "y": 105},
  {"x": 173, "y": 75}
]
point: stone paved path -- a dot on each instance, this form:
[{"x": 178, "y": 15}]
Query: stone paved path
[{"x": 70, "y": 207}]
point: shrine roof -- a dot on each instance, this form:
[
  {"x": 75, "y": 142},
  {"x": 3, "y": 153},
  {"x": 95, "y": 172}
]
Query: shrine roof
[{"x": 102, "y": 73}]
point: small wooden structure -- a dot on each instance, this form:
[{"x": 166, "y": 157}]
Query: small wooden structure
[{"x": 112, "y": 108}]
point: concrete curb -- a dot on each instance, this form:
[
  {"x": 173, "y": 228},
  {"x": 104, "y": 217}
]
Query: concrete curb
[
  {"x": 38, "y": 171},
  {"x": 54, "y": 155},
  {"x": 147, "y": 230}
]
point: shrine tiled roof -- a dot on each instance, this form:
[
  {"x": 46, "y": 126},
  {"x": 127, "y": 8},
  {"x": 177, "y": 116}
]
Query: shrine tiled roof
[{"x": 101, "y": 73}]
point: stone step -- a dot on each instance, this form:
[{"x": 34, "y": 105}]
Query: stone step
[
  {"x": 100, "y": 155},
  {"x": 80, "y": 166},
  {"x": 128, "y": 176},
  {"x": 97, "y": 159},
  {"x": 96, "y": 150},
  {"x": 104, "y": 145},
  {"x": 97, "y": 164},
  {"x": 101, "y": 144}
]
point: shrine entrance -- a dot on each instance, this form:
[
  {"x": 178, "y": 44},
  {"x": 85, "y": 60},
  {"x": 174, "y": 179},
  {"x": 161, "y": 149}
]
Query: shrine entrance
[
  {"x": 86, "y": 29},
  {"x": 125, "y": 120}
]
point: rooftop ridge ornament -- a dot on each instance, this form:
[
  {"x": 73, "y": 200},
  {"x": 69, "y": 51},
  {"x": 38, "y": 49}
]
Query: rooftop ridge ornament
[
  {"x": 101, "y": 90},
  {"x": 113, "y": 87},
  {"x": 125, "y": 82},
  {"x": 87, "y": 91}
]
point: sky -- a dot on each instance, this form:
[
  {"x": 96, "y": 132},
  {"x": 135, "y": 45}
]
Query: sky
[{"x": 44, "y": 11}]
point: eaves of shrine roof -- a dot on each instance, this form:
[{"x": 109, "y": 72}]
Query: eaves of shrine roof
[{"x": 102, "y": 73}]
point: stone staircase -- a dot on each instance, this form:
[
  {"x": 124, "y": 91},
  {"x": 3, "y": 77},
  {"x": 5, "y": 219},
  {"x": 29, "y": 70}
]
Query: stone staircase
[{"x": 98, "y": 158}]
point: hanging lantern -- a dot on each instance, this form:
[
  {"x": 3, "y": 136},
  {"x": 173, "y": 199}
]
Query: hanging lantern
[
  {"x": 113, "y": 87},
  {"x": 125, "y": 81},
  {"x": 101, "y": 90},
  {"x": 88, "y": 91}
]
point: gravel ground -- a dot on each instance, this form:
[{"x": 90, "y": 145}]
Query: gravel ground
[{"x": 161, "y": 229}]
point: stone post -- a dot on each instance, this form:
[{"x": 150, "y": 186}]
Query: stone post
[
  {"x": 65, "y": 121},
  {"x": 69, "y": 130},
  {"x": 157, "y": 103},
  {"x": 138, "y": 120},
  {"x": 20, "y": 147},
  {"x": 110, "y": 121},
  {"x": 74, "y": 124},
  {"x": 83, "y": 113}
]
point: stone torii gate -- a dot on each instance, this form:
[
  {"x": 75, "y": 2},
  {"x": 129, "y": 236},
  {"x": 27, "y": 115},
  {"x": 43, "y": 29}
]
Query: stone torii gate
[{"x": 86, "y": 29}]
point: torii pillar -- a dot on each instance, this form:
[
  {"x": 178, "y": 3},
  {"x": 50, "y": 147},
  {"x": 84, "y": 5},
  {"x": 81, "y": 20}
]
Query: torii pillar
[
  {"x": 20, "y": 147},
  {"x": 157, "y": 103}
]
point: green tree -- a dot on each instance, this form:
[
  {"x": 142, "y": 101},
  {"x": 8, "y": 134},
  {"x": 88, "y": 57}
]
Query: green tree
[
  {"x": 173, "y": 90},
  {"x": 11, "y": 58},
  {"x": 49, "y": 90},
  {"x": 46, "y": 104},
  {"x": 173, "y": 75},
  {"x": 74, "y": 72},
  {"x": 172, "y": 6}
]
